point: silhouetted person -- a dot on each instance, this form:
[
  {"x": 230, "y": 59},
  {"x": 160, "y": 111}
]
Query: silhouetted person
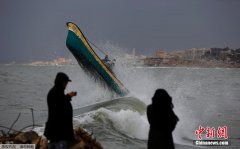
[
  {"x": 59, "y": 126},
  {"x": 162, "y": 121}
]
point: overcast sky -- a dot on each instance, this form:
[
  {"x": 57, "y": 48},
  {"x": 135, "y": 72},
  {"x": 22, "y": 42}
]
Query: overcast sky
[{"x": 36, "y": 30}]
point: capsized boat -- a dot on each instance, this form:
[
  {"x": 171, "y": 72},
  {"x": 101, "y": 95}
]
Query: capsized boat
[{"x": 90, "y": 61}]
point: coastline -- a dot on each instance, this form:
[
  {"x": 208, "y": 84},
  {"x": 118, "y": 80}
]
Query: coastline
[{"x": 197, "y": 64}]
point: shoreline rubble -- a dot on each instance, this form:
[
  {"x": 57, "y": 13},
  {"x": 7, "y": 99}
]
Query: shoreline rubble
[{"x": 83, "y": 139}]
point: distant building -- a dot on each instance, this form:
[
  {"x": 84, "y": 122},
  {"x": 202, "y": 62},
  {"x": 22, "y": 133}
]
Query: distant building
[
  {"x": 188, "y": 57},
  {"x": 180, "y": 54},
  {"x": 55, "y": 62},
  {"x": 153, "y": 61},
  {"x": 193, "y": 54},
  {"x": 161, "y": 54}
]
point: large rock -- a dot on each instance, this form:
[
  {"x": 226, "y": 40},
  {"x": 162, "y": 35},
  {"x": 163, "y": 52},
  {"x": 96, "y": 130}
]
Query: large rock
[
  {"x": 84, "y": 140},
  {"x": 26, "y": 137}
]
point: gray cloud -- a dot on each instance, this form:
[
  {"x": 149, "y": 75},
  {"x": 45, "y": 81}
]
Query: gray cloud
[{"x": 36, "y": 29}]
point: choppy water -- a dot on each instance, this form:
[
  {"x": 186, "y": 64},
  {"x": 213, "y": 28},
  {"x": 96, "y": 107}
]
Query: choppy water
[{"x": 207, "y": 97}]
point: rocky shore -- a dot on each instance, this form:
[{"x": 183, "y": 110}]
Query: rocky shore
[{"x": 84, "y": 140}]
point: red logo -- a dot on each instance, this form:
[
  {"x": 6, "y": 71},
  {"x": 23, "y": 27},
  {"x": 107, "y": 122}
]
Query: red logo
[
  {"x": 210, "y": 132},
  {"x": 199, "y": 132},
  {"x": 222, "y": 132}
]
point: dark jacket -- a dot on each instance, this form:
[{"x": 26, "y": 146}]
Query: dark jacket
[
  {"x": 59, "y": 125},
  {"x": 162, "y": 122}
]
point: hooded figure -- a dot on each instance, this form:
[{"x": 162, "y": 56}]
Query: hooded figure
[
  {"x": 59, "y": 126},
  {"x": 162, "y": 121}
]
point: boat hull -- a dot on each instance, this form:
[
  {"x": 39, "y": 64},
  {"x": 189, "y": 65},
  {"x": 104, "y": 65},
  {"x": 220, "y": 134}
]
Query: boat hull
[{"x": 89, "y": 60}]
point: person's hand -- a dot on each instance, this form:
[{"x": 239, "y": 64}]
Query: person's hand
[{"x": 72, "y": 94}]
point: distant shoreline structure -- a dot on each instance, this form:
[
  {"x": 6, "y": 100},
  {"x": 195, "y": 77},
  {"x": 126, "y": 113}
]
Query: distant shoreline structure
[
  {"x": 192, "y": 58},
  {"x": 56, "y": 62},
  {"x": 201, "y": 58},
  {"x": 195, "y": 64}
]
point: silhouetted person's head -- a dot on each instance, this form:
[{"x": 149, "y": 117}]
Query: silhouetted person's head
[
  {"x": 162, "y": 99},
  {"x": 62, "y": 80}
]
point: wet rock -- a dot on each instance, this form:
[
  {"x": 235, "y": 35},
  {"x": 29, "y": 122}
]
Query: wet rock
[
  {"x": 26, "y": 137},
  {"x": 83, "y": 140},
  {"x": 43, "y": 144},
  {"x": 86, "y": 140}
]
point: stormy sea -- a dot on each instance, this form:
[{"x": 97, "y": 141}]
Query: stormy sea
[{"x": 207, "y": 97}]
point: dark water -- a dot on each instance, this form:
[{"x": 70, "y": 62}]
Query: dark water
[{"x": 206, "y": 97}]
